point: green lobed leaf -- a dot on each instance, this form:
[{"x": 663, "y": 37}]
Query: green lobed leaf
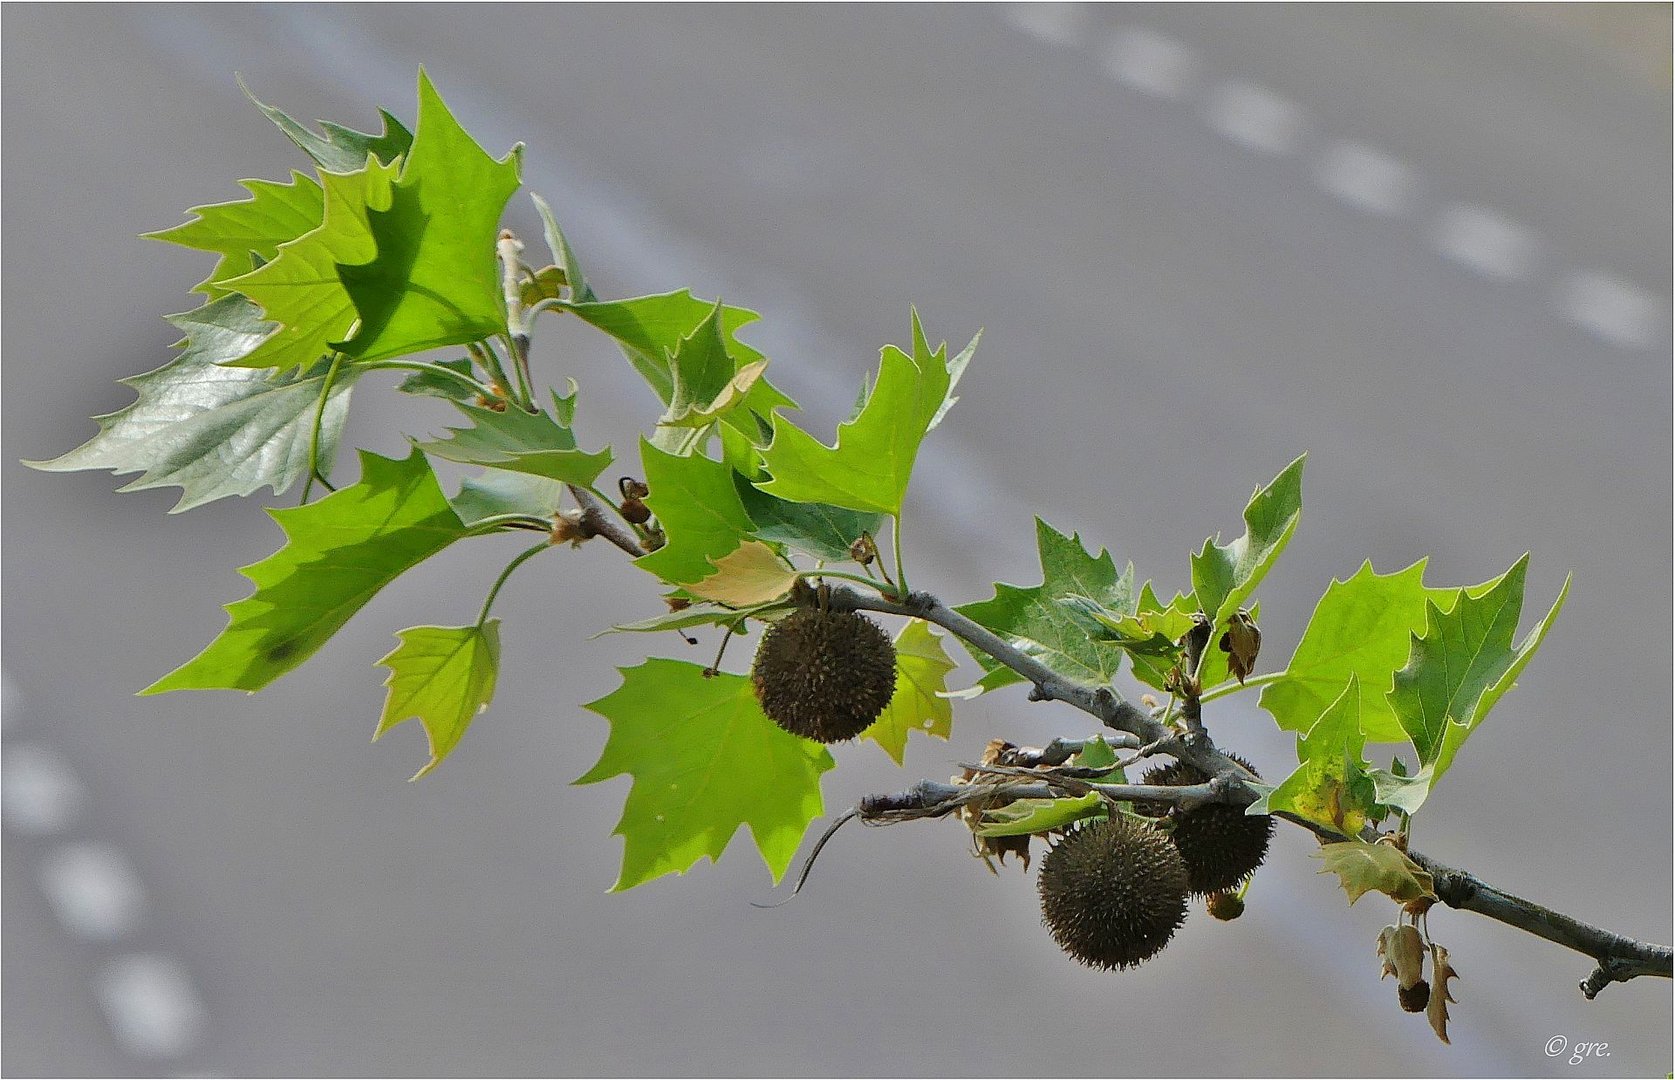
[
  {"x": 699, "y": 510},
  {"x": 435, "y": 279},
  {"x": 518, "y": 441},
  {"x": 705, "y": 760},
  {"x": 818, "y": 529},
  {"x": 495, "y": 492},
  {"x": 648, "y": 329},
  {"x": 1463, "y": 664},
  {"x": 1360, "y": 629},
  {"x": 300, "y": 289},
  {"x": 563, "y": 257},
  {"x": 1459, "y": 730},
  {"x": 274, "y": 214},
  {"x": 338, "y": 553},
  {"x": 1400, "y": 791},
  {"x": 1151, "y": 636},
  {"x": 869, "y": 466},
  {"x": 1224, "y": 575},
  {"x": 1034, "y": 621},
  {"x": 700, "y": 371},
  {"x": 434, "y": 384},
  {"x": 1462, "y": 652},
  {"x": 443, "y": 676},
  {"x": 956, "y": 369},
  {"x": 1331, "y": 785},
  {"x": 922, "y": 667},
  {"x": 341, "y": 149},
  {"x": 210, "y": 429}
]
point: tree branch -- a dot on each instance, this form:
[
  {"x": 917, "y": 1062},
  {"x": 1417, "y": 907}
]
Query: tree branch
[
  {"x": 1619, "y": 958},
  {"x": 600, "y": 520}
]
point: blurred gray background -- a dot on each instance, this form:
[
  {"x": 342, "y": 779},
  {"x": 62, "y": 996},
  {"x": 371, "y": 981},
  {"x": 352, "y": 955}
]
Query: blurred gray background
[{"x": 1430, "y": 245}]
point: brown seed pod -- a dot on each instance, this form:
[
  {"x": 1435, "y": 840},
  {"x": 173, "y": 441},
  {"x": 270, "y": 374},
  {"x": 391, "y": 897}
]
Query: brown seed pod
[
  {"x": 824, "y": 675},
  {"x": 1221, "y": 844},
  {"x": 1113, "y": 893},
  {"x": 1225, "y": 905},
  {"x": 1414, "y": 998}
]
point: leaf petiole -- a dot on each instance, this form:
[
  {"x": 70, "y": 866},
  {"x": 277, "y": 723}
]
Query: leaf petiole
[
  {"x": 435, "y": 369},
  {"x": 522, "y": 521},
  {"x": 314, "y": 472},
  {"x": 846, "y": 576},
  {"x": 522, "y": 557},
  {"x": 1233, "y": 686},
  {"x": 895, "y": 542},
  {"x": 520, "y": 368}
]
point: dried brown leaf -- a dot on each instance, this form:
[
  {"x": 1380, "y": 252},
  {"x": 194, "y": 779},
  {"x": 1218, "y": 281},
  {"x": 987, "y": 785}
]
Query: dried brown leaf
[{"x": 1441, "y": 971}]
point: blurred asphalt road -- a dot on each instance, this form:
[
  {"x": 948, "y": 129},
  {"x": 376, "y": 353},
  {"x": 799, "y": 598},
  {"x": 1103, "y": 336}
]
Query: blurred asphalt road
[{"x": 1430, "y": 245}]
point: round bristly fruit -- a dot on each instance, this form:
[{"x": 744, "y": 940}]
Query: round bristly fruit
[
  {"x": 1221, "y": 844},
  {"x": 1113, "y": 893},
  {"x": 824, "y": 675}
]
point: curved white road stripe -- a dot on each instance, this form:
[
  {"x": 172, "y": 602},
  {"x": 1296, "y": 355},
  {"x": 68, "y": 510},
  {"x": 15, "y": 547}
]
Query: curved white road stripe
[
  {"x": 1253, "y": 117},
  {"x": 1150, "y": 63},
  {"x": 1366, "y": 179},
  {"x": 93, "y": 890},
  {"x": 1485, "y": 242},
  {"x": 1613, "y": 310},
  {"x": 1059, "y": 24},
  {"x": 151, "y": 1005},
  {"x": 39, "y": 795}
]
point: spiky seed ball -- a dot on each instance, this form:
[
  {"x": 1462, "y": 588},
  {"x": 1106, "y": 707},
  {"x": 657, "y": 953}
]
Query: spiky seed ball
[
  {"x": 1113, "y": 893},
  {"x": 1221, "y": 844},
  {"x": 824, "y": 675}
]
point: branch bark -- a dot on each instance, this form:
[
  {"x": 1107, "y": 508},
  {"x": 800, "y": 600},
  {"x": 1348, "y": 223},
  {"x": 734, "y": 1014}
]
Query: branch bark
[{"x": 1618, "y": 958}]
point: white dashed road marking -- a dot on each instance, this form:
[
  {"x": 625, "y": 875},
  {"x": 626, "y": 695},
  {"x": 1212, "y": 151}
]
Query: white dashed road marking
[
  {"x": 147, "y": 998},
  {"x": 1612, "y": 309},
  {"x": 93, "y": 890},
  {"x": 1150, "y": 63},
  {"x": 1485, "y": 242},
  {"x": 38, "y": 794},
  {"x": 1480, "y": 239},
  {"x": 1056, "y": 24},
  {"x": 150, "y": 1004},
  {"x": 1366, "y": 179},
  {"x": 1255, "y": 118}
]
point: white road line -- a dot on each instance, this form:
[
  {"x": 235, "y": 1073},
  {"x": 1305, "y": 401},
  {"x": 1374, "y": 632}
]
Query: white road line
[
  {"x": 1151, "y": 63},
  {"x": 151, "y": 1005},
  {"x": 38, "y": 793},
  {"x": 1612, "y": 309},
  {"x": 1055, "y": 23},
  {"x": 1254, "y": 118},
  {"x": 93, "y": 890},
  {"x": 1366, "y": 179},
  {"x": 1485, "y": 242}
]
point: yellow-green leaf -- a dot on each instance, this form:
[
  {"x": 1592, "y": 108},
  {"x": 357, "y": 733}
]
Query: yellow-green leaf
[
  {"x": 443, "y": 676},
  {"x": 1363, "y": 868},
  {"x": 922, "y": 668},
  {"x": 748, "y": 575},
  {"x": 1331, "y": 785}
]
